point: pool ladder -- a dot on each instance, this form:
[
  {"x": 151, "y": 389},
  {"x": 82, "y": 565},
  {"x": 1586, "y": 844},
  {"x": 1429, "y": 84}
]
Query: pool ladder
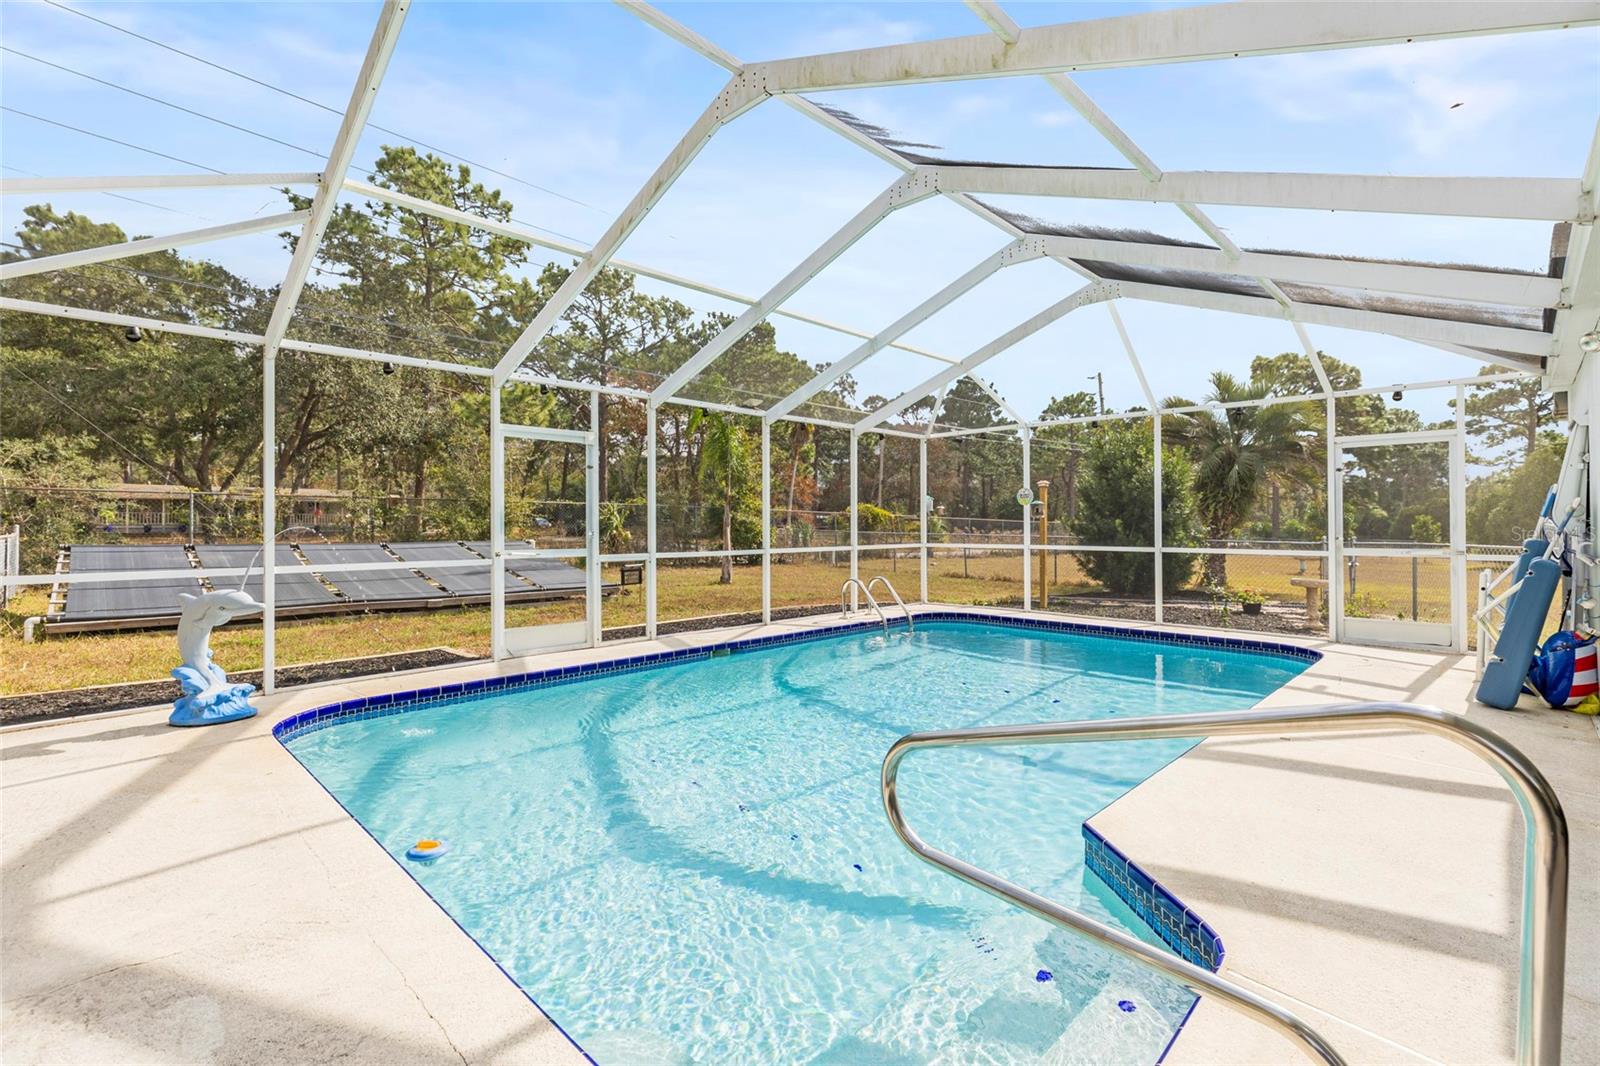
[
  {"x": 866, "y": 590},
  {"x": 911, "y": 627},
  {"x": 844, "y": 601},
  {"x": 1544, "y": 865}
]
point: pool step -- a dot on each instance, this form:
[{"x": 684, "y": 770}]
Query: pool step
[{"x": 987, "y": 984}]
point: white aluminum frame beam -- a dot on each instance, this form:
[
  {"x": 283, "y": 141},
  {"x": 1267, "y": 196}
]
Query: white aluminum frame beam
[
  {"x": 1539, "y": 199},
  {"x": 385, "y": 35},
  {"x": 1023, "y": 250},
  {"x": 1580, "y": 281},
  {"x": 1007, "y": 29},
  {"x": 903, "y": 192},
  {"x": 681, "y": 33},
  {"x": 106, "y": 253},
  {"x": 738, "y": 96},
  {"x": 111, "y": 318},
  {"x": 1092, "y": 293},
  {"x": 41, "y": 186},
  {"x": 1210, "y": 31},
  {"x": 531, "y": 237},
  {"x": 1450, "y": 283},
  {"x": 384, "y": 38},
  {"x": 1505, "y": 338},
  {"x": 156, "y": 325}
]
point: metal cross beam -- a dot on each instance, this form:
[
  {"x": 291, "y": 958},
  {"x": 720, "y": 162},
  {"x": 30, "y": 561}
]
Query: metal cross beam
[
  {"x": 1092, "y": 293},
  {"x": 40, "y": 186},
  {"x": 739, "y": 95},
  {"x": 1018, "y": 251},
  {"x": 106, "y": 253},
  {"x": 1580, "y": 279},
  {"x": 1541, "y": 199},
  {"x": 384, "y": 38},
  {"x": 681, "y": 33},
  {"x": 542, "y": 240},
  {"x": 1413, "y": 327},
  {"x": 904, "y": 192},
  {"x": 1209, "y": 31},
  {"x": 385, "y": 35},
  {"x": 1007, "y": 30},
  {"x": 1414, "y": 279}
]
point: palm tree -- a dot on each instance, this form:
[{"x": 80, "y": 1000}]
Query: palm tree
[
  {"x": 724, "y": 459},
  {"x": 1236, "y": 452}
]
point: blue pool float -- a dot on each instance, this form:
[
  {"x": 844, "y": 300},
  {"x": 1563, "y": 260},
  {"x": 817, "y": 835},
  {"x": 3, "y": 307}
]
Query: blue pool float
[{"x": 1507, "y": 669}]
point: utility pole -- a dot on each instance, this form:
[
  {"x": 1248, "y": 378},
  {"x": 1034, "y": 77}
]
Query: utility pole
[{"x": 1099, "y": 379}]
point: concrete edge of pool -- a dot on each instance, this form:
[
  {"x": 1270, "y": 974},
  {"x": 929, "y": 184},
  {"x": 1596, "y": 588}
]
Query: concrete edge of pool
[{"x": 309, "y": 946}]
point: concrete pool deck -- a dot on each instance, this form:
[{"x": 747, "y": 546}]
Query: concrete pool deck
[{"x": 194, "y": 895}]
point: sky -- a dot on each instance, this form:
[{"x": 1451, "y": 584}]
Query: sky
[{"x": 576, "y": 103}]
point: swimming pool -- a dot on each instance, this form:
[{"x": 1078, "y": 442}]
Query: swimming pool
[{"x": 690, "y": 861}]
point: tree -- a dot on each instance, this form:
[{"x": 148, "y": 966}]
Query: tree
[
  {"x": 1508, "y": 412},
  {"x": 168, "y": 408},
  {"x": 411, "y": 284},
  {"x": 1057, "y": 450},
  {"x": 724, "y": 465},
  {"x": 1118, "y": 509},
  {"x": 32, "y": 473},
  {"x": 1235, "y": 451},
  {"x": 611, "y": 335},
  {"x": 1502, "y": 508}
]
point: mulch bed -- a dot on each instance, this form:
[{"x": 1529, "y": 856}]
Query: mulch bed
[{"x": 43, "y": 706}]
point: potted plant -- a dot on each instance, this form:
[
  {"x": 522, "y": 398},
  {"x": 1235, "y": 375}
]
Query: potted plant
[{"x": 1250, "y": 600}]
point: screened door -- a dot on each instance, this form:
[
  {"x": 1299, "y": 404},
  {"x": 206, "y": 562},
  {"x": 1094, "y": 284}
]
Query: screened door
[
  {"x": 544, "y": 562},
  {"x": 1399, "y": 564}
]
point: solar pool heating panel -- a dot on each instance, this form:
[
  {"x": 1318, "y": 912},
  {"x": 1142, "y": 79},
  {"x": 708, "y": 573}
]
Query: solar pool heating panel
[
  {"x": 460, "y": 580},
  {"x": 295, "y": 583},
  {"x": 366, "y": 586},
  {"x": 550, "y": 574},
  {"x": 91, "y": 601}
]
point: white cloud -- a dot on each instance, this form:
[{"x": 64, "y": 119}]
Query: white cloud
[
  {"x": 1055, "y": 119},
  {"x": 853, "y": 29},
  {"x": 1406, "y": 90}
]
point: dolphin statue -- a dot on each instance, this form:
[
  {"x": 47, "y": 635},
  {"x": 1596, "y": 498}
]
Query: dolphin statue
[{"x": 208, "y": 697}]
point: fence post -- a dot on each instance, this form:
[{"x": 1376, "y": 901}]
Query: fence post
[
  {"x": 1414, "y": 568},
  {"x": 1027, "y": 539},
  {"x": 922, "y": 515},
  {"x": 10, "y": 561}
]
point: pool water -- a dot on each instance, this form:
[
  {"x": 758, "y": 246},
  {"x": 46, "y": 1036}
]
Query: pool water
[{"x": 691, "y": 863}]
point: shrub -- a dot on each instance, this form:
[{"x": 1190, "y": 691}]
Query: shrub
[{"x": 1116, "y": 507}]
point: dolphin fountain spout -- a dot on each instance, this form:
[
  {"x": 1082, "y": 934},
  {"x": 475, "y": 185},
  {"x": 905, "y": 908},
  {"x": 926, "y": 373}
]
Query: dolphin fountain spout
[{"x": 208, "y": 698}]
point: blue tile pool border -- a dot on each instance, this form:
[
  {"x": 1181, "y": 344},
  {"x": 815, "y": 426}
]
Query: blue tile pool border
[
  {"x": 389, "y": 703},
  {"x": 1188, "y": 935},
  {"x": 1180, "y": 928}
]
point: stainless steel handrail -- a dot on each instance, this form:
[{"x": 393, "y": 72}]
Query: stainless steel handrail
[
  {"x": 911, "y": 626},
  {"x": 1544, "y": 874},
  {"x": 844, "y": 608}
]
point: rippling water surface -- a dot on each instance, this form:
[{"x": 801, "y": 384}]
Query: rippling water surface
[{"x": 692, "y": 863}]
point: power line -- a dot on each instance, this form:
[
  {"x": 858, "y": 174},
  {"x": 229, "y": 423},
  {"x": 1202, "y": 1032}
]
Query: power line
[
  {"x": 318, "y": 104},
  {"x": 163, "y": 103},
  {"x": 166, "y": 472},
  {"x": 222, "y": 122},
  {"x": 104, "y": 137}
]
